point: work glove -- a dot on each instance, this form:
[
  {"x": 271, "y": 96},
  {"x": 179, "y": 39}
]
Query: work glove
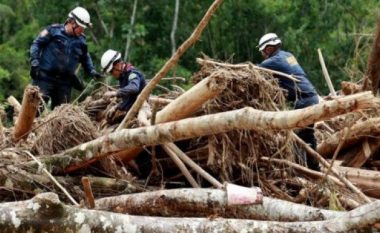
[
  {"x": 109, "y": 94},
  {"x": 34, "y": 72},
  {"x": 96, "y": 74},
  {"x": 111, "y": 113}
]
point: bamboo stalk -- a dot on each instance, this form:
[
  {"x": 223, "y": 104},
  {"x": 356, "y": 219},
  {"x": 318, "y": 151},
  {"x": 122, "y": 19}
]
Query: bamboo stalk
[{"x": 326, "y": 73}]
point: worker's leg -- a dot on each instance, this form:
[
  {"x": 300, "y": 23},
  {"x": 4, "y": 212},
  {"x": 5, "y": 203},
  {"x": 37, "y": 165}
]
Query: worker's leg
[
  {"x": 62, "y": 95},
  {"x": 307, "y": 134}
]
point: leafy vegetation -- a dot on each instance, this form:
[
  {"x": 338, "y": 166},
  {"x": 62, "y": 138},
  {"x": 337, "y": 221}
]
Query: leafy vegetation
[{"x": 342, "y": 29}]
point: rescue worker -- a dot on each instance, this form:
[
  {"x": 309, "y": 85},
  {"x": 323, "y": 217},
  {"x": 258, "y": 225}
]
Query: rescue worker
[
  {"x": 131, "y": 81},
  {"x": 55, "y": 55},
  {"x": 302, "y": 93}
]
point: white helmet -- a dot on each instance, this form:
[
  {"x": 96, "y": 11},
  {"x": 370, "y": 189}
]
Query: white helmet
[
  {"x": 81, "y": 17},
  {"x": 268, "y": 39},
  {"x": 108, "y": 58}
]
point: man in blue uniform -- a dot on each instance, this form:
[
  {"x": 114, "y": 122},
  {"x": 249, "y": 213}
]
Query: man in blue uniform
[
  {"x": 55, "y": 55},
  {"x": 131, "y": 81},
  {"x": 301, "y": 93}
]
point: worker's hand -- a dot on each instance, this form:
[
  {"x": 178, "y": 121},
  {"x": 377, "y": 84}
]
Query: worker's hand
[
  {"x": 109, "y": 94},
  {"x": 96, "y": 74},
  {"x": 111, "y": 112},
  {"x": 34, "y": 71}
]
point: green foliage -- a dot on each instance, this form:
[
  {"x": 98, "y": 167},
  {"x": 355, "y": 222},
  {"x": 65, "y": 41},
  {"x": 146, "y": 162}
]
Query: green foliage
[{"x": 340, "y": 28}]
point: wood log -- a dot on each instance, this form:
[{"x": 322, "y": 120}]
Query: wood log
[
  {"x": 30, "y": 103},
  {"x": 359, "y": 155},
  {"x": 170, "y": 63},
  {"x": 367, "y": 180},
  {"x": 45, "y": 213},
  {"x": 370, "y": 127},
  {"x": 205, "y": 202},
  {"x": 246, "y": 118}
]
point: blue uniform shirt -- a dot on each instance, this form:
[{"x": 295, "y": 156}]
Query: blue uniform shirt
[
  {"x": 59, "y": 53},
  {"x": 285, "y": 62},
  {"x": 131, "y": 83}
]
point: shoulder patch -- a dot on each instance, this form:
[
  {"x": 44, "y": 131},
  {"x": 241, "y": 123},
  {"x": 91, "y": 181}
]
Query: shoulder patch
[
  {"x": 132, "y": 76},
  {"x": 44, "y": 33},
  {"x": 292, "y": 60}
]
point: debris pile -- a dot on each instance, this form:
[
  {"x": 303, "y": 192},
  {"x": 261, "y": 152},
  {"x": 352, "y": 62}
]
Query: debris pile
[{"x": 242, "y": 132}]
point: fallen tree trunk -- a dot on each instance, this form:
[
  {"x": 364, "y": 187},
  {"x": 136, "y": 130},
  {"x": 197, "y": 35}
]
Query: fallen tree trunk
[
  {"x": 45, "y": 213},
  {"x": 206, "y": 202},
  {"x": 28, "y": 112},
  {"x": 367, "y": 180},
  {"x": 246, "y": 118},
  {"x": 370, "y": 127}
]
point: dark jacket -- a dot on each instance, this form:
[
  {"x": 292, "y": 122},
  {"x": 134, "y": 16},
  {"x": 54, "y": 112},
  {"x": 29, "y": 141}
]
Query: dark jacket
[
  {"x": 57, "y": 53},
  {"x": 131, "y": 83},
  {"x": 285, "y": 62}
]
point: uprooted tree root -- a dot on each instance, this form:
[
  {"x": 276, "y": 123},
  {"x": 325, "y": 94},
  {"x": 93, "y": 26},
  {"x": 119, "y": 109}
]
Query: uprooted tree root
[{"x": 65, "y": 127}]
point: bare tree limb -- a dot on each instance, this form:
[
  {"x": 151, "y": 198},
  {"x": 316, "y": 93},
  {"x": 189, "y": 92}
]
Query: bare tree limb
[{"x": 169, "y": 64}]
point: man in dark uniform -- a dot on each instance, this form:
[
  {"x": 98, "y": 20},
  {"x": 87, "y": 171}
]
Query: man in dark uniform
[
  {"x": 301, "y": 93},
  {"x": 55, "y": 55},
  {"x": 131, "y": 81}
]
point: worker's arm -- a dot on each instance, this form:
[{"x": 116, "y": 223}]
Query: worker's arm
[
  {"x": 38, "y": 44},
  {"x": 132, "y": 88}
]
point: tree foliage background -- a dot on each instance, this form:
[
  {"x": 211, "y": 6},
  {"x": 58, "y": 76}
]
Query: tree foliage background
[{"x": 343, "y": 29}]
